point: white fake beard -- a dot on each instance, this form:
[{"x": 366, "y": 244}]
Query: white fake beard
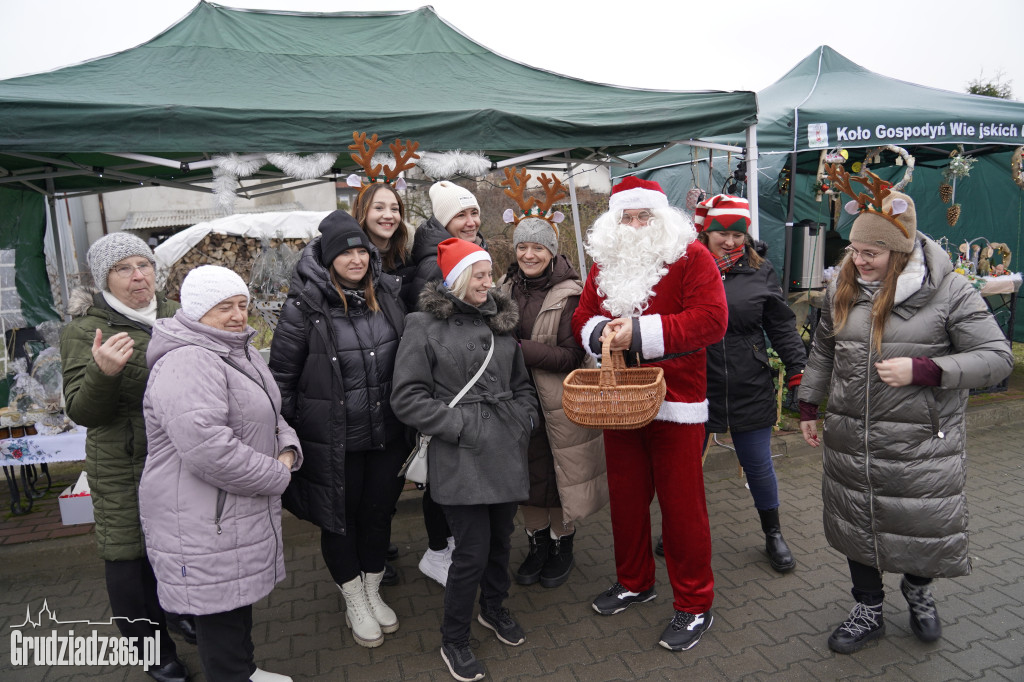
[{"x": 633, "y": 260}]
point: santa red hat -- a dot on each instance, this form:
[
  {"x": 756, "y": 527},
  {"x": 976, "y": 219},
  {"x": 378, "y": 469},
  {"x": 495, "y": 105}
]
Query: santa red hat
[
  {"x": 722, "y": 213},
  {"x": 455, "y": 255},
  {"x": 636, "y": 193}
]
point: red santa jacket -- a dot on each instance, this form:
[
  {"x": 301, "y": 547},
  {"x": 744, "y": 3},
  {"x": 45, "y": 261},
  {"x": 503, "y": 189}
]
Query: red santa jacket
[{"x": 687, "y": 313}]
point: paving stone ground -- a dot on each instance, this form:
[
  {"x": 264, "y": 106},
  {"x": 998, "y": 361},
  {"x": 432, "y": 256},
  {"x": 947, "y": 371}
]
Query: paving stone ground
[{"x": 767, "y": 626}]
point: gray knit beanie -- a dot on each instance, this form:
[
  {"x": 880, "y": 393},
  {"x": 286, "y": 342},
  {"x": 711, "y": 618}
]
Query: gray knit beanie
[
  {"x": 208, "y": 285},
  {"x": 107, "y": 251},
  {"x": 448, "y": 199},
  {"x": 538, "y": 231}
]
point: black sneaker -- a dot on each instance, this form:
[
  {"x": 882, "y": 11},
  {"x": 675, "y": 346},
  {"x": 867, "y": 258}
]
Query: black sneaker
[
  {"x": 864, "y": 624},
  {"x": 685, "y": 630},
  {"x": 505, "y": 627},
  {"x": 616, "y": 598},
  {"x": 461, "y": 662}
]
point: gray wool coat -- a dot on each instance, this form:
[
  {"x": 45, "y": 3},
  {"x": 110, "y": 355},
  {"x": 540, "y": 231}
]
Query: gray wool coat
[
  {"x": 894, "y": 459},
  {"x": 478, "y": 451},
  {"x": 210, "y": 496}
]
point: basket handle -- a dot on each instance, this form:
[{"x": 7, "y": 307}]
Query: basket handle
[{"x": 610, "y": 362}]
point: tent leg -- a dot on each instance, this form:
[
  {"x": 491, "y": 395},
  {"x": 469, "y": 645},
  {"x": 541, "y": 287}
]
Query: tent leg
[
  {"x": 576, "y": 220},
  {"x": 752, "y": 184},
  {"x": 788, "y": 262},
  {"x": 62, "y": 275}
]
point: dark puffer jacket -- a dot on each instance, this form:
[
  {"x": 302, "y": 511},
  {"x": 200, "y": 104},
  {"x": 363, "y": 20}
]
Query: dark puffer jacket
[
  {"x": 424, "y": 257},
  {"x": 894, "y": 460},
  {"x": 111, "y": 408},
  {"x": 335, "y": 374},
  {"x": 741, "y": 392},
  {"x": 478, "y": 451}
]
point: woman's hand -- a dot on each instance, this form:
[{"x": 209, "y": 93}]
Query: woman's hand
[
  {"x": 896, "y": 371},
  {"x": 619, "y": 332},
  {"x": 809, "y": 429},
  {"x": 287, "y": 458},
  {"x": 112, "y": 355}
]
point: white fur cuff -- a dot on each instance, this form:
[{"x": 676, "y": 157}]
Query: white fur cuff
[
  {"x": 652, "y": 337},
  {"x": 683, "y": 413},
  {"x": 587, "y": 330}
]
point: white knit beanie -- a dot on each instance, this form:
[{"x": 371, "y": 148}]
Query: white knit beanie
[
  {"x": 208, "y": 285},
  {"x": 448, "y": 199},
  {"x": 107, "y": 251}
]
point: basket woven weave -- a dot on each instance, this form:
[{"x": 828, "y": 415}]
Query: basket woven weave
[{"x": 613, "y": 397}]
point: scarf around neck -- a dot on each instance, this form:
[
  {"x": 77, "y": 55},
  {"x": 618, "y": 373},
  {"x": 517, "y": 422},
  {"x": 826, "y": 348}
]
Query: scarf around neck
[
  {"x": 146, "y": 316},
  {"x": 728, "y": 259}
]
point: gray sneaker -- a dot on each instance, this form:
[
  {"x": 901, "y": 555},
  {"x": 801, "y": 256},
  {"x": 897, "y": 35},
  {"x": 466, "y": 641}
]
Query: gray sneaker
[
  {"x": 461, "y": 662},
  {"x": 505, "y": 627}
]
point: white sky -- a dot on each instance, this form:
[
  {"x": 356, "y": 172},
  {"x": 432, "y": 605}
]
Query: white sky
[{"x": 672, "y": 44}]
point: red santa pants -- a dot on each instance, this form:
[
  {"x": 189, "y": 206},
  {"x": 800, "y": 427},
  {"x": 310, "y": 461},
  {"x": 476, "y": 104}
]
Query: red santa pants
[{"x": 663, "y": 457}]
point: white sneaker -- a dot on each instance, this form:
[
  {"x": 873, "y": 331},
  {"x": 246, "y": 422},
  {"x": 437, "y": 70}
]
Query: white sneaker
[
  {"x": 264, "y": 676},
  {"x": 435, "y": 564}
]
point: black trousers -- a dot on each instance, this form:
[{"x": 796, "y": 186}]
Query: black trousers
[
  {"x": 372, "y": 489},
  {"x": 483, "y": 542},
  {"x": 867, "y": 583},
  {"x": 131, "y": 588},
  {"x": 225, "y": 645},
  {"x": 434, "y": 519}
]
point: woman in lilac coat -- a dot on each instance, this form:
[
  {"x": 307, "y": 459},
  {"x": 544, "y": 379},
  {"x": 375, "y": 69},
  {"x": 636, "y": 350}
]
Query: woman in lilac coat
[{"x": 220, "y": 456}]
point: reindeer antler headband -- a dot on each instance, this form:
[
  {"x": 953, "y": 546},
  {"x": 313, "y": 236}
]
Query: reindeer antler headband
[
  {"x": 871, "y": 202},
  {"x": 515, "y": 187},
  {"x": 363, "y": 150}
]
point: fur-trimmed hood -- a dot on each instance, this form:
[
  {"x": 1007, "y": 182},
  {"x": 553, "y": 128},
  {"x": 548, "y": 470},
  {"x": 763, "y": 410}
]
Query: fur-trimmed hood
[
  {"x": 499, "y": 311},
  {"x": 80, "y": 300}
]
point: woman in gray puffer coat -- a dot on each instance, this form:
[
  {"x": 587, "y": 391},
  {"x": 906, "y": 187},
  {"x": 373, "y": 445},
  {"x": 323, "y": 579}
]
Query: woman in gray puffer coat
[
  {"x": 901, "y": 339},
  {"x": 477, "y": 457},
  {"x": 220, "y": 455}
]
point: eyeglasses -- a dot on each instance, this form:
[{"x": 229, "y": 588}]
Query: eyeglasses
[
  {"x": 126, "y": 271},
  {"x": 643, "y": 218},
  {"x": 866, "y": 256}
]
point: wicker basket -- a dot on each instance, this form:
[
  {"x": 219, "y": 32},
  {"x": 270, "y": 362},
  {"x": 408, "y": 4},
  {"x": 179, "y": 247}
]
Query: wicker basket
[{"x": 613, "y": 397}]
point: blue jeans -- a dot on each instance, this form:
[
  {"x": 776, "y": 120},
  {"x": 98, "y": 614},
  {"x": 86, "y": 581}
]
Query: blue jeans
[{"x": 753, "y": 449}]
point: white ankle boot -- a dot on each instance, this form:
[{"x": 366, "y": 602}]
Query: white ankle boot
[
  {"x": 382, "y": 613},
  {"x": 264, "y": 676},
  {"x": 364, "y": 626}
]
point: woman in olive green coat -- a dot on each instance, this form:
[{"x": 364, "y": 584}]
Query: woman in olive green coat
[{"x": 103, "y": 359}]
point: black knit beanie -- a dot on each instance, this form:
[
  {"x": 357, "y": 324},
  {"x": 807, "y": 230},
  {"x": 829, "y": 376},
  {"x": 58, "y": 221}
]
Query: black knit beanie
[{"x": 340, "y": 232}]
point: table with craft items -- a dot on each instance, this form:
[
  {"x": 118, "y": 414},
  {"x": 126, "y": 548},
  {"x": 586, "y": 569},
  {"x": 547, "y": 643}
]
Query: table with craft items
[{"x": 32, "y": 454}]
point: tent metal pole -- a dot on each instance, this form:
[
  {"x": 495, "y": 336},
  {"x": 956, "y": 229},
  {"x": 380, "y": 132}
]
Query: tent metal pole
[
  {"x": 576, "y": 219},
  {"x": 62, "y": 275},
  {"x": 752, "y": 184},
  {"x": 788, "y": 262},
  {"x": 517, "y": 160}
]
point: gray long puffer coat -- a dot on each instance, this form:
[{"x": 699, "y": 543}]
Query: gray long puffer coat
[
  {"x": 895, "y": 458},
  {"x": 210, "y": 496},
  {"x": 478, "y": 451}
]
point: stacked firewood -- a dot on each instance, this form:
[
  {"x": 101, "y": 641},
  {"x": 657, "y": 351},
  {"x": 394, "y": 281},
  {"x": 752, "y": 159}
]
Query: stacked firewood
[{"x": 231, "y": 251}]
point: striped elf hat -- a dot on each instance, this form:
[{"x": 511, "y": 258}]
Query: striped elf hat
[{"x": 722, "y": 213}]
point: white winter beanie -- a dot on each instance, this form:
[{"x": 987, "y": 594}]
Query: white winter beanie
[
  {"x": 448, "y": 199},
  {"x": 208, "y": 285}
]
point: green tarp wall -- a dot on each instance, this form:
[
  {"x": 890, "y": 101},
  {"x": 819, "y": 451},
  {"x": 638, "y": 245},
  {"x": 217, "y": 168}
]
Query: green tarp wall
[{"x": 22, "y": 228}]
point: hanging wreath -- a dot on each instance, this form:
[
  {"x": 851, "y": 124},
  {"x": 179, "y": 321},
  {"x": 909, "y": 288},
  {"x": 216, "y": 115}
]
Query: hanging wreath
[
  {"x": 906, "y": 157},
  {"x": 1017, "y": 166}
]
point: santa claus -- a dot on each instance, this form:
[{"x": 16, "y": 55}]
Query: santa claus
[{"x": 655, "y": 294}]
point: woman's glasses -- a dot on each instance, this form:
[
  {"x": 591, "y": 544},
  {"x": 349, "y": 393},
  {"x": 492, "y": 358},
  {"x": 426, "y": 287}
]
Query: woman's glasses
[
  {"x": 125, "y": 271},
  {"x": 866, "y": 256}
]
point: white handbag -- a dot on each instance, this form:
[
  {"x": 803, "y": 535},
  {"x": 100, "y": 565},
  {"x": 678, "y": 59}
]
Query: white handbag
[{"x": 415, "y": 467}]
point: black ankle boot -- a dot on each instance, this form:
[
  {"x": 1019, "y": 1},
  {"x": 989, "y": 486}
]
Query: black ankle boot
[
  {"x": 540, "y": 543},
  {"x": 560, "y": 562},
  {"x": 779, "y": 555},
  {"x": 924, "y": 618}
]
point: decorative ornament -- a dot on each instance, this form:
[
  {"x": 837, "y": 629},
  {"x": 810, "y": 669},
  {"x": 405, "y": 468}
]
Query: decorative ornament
[
  {"x": 904, "y": 157},
  {"x": 226, "y": 173},
  {"x": 381, "y": 168},
  {"x": 303, "y": 167},
  {"x": 695, "y": 195},
  {"x": 953, "y": 214},
  {"x": 515, "y": 187},
  {"x": 443, "y": 165},
  {"x": 945, "y": 192},
  {"x": 1017, "y": 166}
]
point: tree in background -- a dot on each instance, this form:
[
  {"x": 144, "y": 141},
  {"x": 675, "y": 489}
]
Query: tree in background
[{"x": 991, "y": 87}]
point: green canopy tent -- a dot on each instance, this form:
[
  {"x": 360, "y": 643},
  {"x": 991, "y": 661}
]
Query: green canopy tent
[
  {"x": 230, "y": 81},
  {"x": 827, "y": 101}
]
